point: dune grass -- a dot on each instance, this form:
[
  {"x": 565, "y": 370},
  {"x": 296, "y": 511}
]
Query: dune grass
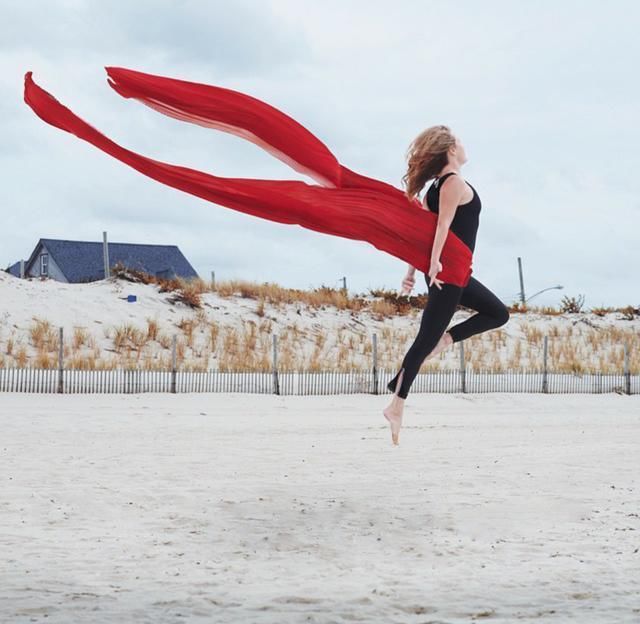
[{"x": 331, "y": 330}]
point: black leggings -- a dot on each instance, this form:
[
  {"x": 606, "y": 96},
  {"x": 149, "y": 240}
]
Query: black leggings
[{"x": 440, "y": 307}]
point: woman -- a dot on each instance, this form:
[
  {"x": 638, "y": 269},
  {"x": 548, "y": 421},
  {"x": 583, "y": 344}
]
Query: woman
[{"x": 437, "y": 153}]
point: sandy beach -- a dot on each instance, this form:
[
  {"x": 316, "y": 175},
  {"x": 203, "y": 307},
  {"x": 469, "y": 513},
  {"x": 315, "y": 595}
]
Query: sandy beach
[{"x": 237, "y": 508}]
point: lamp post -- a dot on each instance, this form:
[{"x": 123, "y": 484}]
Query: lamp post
[{"x": 544, "y": 290}]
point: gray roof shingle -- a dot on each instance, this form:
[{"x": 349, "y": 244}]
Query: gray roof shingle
[{"x": 81, "y": 261}]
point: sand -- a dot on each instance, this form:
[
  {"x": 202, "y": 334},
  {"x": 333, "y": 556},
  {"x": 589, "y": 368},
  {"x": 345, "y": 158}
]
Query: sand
[{"x": 243, "y": 508}]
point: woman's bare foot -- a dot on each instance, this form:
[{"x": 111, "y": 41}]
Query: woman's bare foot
[{"x": 393, "y": 411}]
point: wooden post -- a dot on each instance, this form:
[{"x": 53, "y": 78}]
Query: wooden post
[
  {"x": 105, "y": 255},
  {"x": 627, "y": 373},
  {"x": 276, "y": 381},
  {"x": 60, "y": 363},
  {"x": 545, "y": 385},
  {"x": 375, "y": 363},
  {"x": 522, "y": 299},
  {"x": 213, "y": 280},
  {"x": 173, "y": 365},
  {"x": 463, "y": 372}
]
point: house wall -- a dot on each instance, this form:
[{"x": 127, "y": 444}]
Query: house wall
[{"x": 54, "y": 271}]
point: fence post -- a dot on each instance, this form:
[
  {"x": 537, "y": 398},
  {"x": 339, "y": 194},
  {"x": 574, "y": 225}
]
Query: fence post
[
  {"x": 627, "y": 372},
  {"x": 60, "y": 364},
  {"x": 463, "y": 372},
  {"x": 375, "y": 363},
  {"x": 173, "y": 365},
  {"x": 545, "y": 385},
  {"x": 276, "y": 383}
]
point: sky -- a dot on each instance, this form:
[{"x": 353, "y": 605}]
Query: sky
[{"x": 543, "y": 94}]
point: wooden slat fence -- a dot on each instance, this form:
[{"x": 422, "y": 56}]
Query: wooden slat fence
[{"x": 70, "y": 381}]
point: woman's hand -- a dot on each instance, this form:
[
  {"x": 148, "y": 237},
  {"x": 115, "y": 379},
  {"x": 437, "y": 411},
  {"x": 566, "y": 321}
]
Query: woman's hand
[
  {"x": 434, "y": 269},
  {"x": 408, "y": 283}
]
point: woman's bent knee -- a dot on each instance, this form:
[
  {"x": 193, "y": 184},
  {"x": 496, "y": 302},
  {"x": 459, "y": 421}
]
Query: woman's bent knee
[{"x": 502, "y": 317}]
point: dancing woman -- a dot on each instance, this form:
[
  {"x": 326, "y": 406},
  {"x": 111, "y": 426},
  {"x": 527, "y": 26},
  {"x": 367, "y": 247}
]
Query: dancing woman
[{"x": 438, "y": 153}]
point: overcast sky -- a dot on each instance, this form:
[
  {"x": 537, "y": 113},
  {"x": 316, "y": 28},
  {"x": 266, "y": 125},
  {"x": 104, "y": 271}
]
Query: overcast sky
[{"x": 544, "y": 95}]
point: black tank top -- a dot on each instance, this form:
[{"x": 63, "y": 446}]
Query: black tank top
[{"x": 467, "y": 218}]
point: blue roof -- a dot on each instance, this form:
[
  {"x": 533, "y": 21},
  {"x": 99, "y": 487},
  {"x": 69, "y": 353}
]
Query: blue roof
[
  {"x": 82, "y": 261},
  {"x": 14, "y": 269}
]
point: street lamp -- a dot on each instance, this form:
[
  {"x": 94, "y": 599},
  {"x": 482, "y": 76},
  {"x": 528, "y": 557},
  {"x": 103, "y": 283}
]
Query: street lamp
[
  {"x": 522, "y": 297},
  {"x": 543, "y": 290}
]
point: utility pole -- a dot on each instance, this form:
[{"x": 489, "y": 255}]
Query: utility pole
[
  {"x": 522, "y": 297},
  {"x": 105, "y": 255}
]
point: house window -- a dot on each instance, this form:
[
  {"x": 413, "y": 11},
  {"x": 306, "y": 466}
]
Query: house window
[{"x": 44, "y": 264}]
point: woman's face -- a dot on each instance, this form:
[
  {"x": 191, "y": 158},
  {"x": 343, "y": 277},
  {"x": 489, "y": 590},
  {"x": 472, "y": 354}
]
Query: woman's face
[{"x": 459, "y": 152}]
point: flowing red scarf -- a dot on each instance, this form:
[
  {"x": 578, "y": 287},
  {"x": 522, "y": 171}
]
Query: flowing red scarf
[{"x": 343, "y": 203}]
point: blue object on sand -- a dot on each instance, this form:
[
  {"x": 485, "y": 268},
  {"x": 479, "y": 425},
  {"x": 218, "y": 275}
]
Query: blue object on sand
[{"x": 131, "y": 298}]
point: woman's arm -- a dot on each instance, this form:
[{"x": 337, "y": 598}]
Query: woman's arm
[{"x": 451, "y": 195}]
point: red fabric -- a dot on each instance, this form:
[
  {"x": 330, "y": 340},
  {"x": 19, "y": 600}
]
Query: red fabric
[{"x": 343, "y": 203}]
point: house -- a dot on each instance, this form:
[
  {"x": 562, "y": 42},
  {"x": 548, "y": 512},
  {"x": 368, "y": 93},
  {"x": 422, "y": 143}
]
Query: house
[{"x": 83, "y": 261}]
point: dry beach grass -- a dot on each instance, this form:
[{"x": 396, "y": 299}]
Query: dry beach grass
[{"x": 230, "y": 326}]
